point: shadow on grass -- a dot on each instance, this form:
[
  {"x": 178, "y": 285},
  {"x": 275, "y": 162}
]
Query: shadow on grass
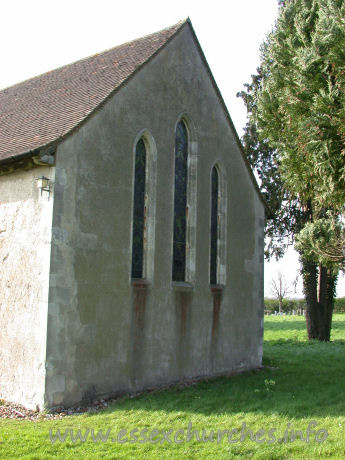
[{"x": 299, "y": 379}]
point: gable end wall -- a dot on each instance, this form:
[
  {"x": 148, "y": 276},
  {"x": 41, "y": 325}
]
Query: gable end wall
[{"x": 103, "y": 337}]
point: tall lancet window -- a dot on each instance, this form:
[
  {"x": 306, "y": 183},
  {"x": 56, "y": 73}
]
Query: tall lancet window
[
  {"x": 214, "y": 244},
  {"x": 180, "y": 203},
  {"x": 139, "y": 211}
]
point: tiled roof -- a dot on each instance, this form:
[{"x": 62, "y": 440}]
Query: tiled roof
[{"x": 38, "y": 111}]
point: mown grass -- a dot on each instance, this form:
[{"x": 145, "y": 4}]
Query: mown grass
[{"x": 302, "y": 381}]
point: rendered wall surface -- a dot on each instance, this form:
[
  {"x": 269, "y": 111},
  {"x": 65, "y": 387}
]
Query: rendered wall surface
[
  {"x": 25, "y": 234},
  {"x": 104, "y": 336}
]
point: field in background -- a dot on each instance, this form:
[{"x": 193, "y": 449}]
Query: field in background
[
  {"x": 302, "y": 382},
  {"x": 272, "y": 305}
]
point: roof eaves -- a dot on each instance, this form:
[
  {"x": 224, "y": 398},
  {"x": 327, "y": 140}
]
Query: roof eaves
[{"x": 37, "y": 151}]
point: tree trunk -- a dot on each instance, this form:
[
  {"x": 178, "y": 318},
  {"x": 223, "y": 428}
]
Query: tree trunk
[
  {"x": 330, "y": 288},
  {"x": 319, "y": 296},
  {"x": 322, "y": 304},
  {"x": 309, "y": 272}
]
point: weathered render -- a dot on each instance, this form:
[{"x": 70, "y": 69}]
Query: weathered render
[
  {"x": 25, "y": 237},
  {"x": 74, "y": 324}
]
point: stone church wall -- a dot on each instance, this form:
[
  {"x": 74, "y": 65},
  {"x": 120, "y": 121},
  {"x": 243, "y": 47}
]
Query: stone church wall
[
  {"x": 25, "y": 237},
  {"x": 107, "y": 334}
]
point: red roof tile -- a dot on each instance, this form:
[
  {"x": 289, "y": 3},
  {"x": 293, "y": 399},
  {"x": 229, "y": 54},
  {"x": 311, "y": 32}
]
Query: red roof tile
[{"x": 41, "y": 110}]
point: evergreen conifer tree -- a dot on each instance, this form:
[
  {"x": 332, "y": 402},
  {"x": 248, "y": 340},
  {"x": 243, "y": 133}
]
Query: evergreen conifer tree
[{"x": 295, "y": 138}]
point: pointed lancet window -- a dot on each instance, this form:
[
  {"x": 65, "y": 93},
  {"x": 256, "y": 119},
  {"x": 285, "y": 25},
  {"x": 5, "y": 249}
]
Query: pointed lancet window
[
  {"x": 180, "y": 203},
  {"x": 214, "y": 243},
  {"x": 139, "y": 211}
]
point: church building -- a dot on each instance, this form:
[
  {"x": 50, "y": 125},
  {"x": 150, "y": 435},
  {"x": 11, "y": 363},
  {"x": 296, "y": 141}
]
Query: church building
[{"x": 131, "y": 228}]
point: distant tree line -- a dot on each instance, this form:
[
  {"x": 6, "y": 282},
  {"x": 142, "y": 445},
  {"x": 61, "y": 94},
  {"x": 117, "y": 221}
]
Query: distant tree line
[{"x": 288, "y": 305}]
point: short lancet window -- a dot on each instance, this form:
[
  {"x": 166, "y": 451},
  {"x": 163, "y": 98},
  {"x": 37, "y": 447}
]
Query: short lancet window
[
  {"x": 139, "y": 211},
  {"x": 218, "y": 227}
]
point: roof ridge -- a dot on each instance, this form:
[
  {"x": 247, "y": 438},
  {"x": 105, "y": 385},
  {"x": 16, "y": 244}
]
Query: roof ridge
[
  {"x": 181, "y": 22},
  {"x": 100, "y": 53}
]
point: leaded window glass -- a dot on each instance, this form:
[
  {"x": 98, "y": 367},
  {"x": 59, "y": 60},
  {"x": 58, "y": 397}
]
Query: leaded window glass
[
  {"x": 214, "y": 226},
  {"x": 180, "y": 203},
  {"x": 139, "y": 211}
]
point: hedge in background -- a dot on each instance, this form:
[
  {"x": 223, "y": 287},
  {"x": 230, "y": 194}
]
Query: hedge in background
[{"x": 272, "y": 305}]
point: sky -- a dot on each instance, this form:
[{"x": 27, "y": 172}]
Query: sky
[{"x": 37, "y": 36}]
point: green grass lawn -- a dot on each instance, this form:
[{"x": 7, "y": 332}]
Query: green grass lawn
[{"x": 302, "y": 382}]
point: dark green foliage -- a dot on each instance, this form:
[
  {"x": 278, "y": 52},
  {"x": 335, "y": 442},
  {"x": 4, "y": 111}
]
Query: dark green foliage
[
  {"x": 287, "y": 215},
  {"x": 272, "y": 305},
  {"x": 295, "y": 139},
  {"x": 288, "y": 305},
  {"x": 323, "y": 240},
  {"x": 296, "y": 108},
  {"x": 300, "y": 111},
  {"x": 339, "y": 305}
]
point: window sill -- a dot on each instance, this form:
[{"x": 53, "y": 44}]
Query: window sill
[
  {"x": 182, "y": 286},
  {"x": 140, "y": 283},
  {"x": 217, "y": 287}
]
